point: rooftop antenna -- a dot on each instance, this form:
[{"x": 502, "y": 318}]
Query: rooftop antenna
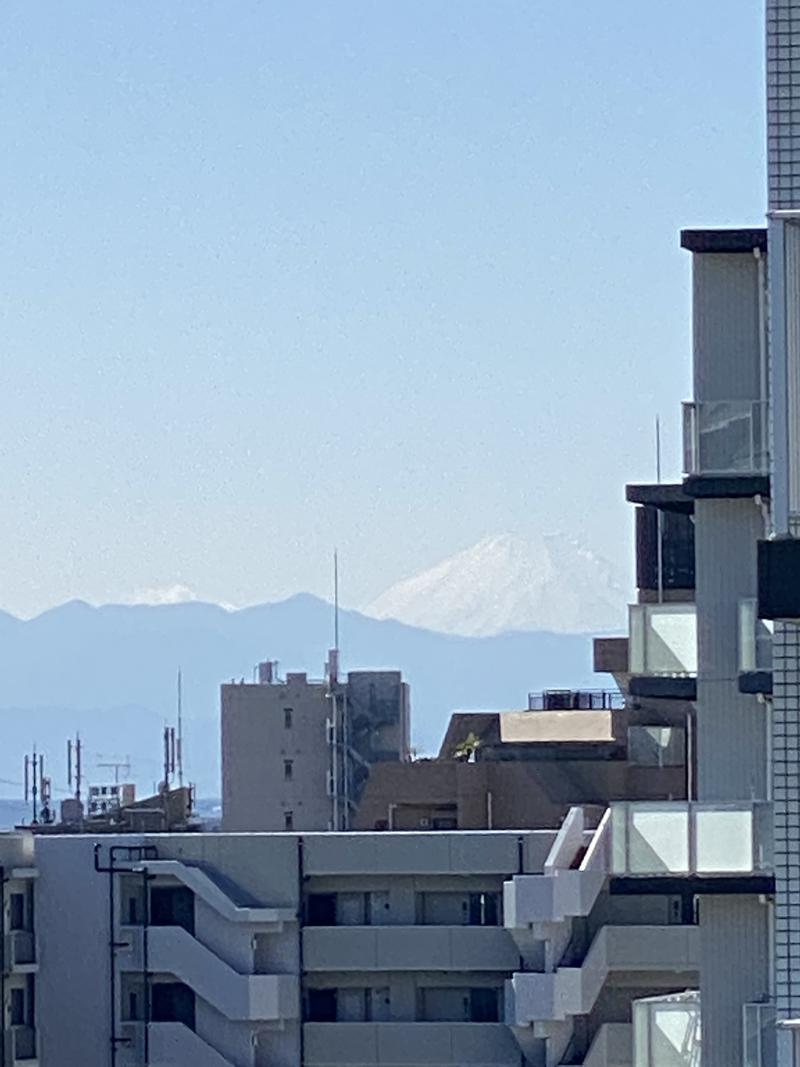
[
  {"x": 659, "y": 519},
  {"x": 336, "y": 599},
  {"x": 658, "y": 449},
  {"x": 74, "y": 762},
  {"x": 179, "y": 744},
  {"x": 34, "y": 775},
  {"x": 116, "y": 765}
]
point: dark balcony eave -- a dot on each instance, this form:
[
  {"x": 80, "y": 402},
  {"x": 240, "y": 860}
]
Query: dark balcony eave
[
  {"x": 663, "y": 687},
  {"x": 665, "y": 497},
  {"x": 754, "y": 682},
  {"x": 757, "y": 884},
  {"x": 726, "y": 486},
  {"x": 725, "y": 241}
]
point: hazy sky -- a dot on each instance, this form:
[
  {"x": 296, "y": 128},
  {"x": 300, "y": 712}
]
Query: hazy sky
[{"x": 394, "y": 276}]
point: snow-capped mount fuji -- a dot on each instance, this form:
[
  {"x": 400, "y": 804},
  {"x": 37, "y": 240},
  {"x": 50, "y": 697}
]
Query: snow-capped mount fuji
[{"x": 504, "y": 583}]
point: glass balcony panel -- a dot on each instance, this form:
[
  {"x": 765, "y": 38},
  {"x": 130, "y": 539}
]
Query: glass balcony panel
[
  {"x": 759, "y": 1035},
  {"x": 651, "y": 838},
  {"x": 755, "y": 638},
  {"x": 663, "y": 639},
  {"x": 723, "y": 841},
  {"x": 725, "y": 437},
  {"x": 667, "y": 1031},
  {"x": 658, "y": 841}
]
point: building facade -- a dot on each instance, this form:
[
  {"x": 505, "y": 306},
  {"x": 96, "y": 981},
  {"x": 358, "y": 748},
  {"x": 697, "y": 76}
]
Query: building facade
[
  {"x": 296, "y": 753},
  {"x": 333, "y": 950}
]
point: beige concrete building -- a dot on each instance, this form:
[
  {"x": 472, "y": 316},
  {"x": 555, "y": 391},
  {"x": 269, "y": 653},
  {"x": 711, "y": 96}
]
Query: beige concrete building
[
  {"x": 296, "y": 753},
  {"x": 528, "y": 768}
]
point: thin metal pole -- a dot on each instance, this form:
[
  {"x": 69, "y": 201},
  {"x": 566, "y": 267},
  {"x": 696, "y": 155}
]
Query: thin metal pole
[
  {"x": 180, "y": 730},
  {"x": 336, "y": 599}
]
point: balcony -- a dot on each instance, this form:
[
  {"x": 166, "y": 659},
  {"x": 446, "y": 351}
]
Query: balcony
[
  {"x": 168, "y": 1043},
  {"x": 576, "y": 700},
  {"x": 20, "y": 1045},
  {"x": 408, "y": 948},
  {"x": 725, "y": 438},
  {"x": 20, "y": 952},
  {"x": 252, "y": 997},
  {"x": 690, "y": 839},
  {"x": 662, "y": 650},
  {"x": 409, "y": 1044},
  {"x": 759, "y": 1035},
  {"x": 543, "y": 998},
  {"x": 755, "y": 649},
  {"x": 667, "y": 1030}
]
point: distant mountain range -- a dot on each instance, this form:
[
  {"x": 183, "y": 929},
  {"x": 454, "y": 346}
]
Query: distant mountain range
[
  {"x": 550, "y": 582},
  {"x": 110, "y": 672}
]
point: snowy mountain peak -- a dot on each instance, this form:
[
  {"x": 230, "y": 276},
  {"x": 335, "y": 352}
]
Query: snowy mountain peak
[{"x": 549, "y": 582}]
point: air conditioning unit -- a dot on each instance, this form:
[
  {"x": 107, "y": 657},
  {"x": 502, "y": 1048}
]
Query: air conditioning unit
[{"x": 424, "y": 823}]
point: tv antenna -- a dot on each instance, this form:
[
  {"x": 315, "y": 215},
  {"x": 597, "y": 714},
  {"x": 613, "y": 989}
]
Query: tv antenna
[{"x": 116, "y": 765}]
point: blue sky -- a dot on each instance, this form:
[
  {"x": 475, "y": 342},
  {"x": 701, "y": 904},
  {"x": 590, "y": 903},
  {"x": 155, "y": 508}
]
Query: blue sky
[{"x": 389, "y": 276}]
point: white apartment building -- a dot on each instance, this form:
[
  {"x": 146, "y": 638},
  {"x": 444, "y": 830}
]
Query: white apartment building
[{"x": 494, "y": 949}]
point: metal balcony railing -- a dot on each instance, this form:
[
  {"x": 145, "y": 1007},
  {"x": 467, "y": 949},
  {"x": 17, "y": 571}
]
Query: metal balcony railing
[
  {"x": 725, "y": 437},
  {"x": 755, "y": 638},
  {"x": 663, "y": 639},
  {"x": 687, "y": 838},
  {"x": 576, "y": 700}
]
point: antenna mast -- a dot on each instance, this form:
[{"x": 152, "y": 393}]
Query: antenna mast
[
  {"x": 179, "y": 744},
  {"x": 336, "y": 599},
  {"x": 74, "y": 771}
]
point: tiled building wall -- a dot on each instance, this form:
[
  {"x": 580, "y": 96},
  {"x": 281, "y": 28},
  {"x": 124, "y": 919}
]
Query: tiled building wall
[
  {"x": 786, "y": 797},
  {"x": 783, "y": 103}
]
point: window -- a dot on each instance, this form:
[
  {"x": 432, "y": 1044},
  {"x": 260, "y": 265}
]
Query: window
[
  {"x": 17, "y": 911},
  {"x": 172, "y": 1002},
  {"x": 288, "y": 769},
  {"x": 17, "y": 1012},
  {"x": 484, "y": 909},
  {"x": 287, "y": 718},
  {"x": 172, "y": 906},
  {"x": 288, "y": 820},
  {"x": 322, "y": 1005},
  {"x": 133, "y": 1006},
  {"x": 321, "y": 909}
]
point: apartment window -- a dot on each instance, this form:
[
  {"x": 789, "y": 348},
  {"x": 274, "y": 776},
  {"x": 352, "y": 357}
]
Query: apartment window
[
  {"x": 321, "y": 909},
  {"x": 172, "y": 906},
  {"x": 483, "y": 1005},
  {"x": 287, "y": 718},
  {"x": 173, "y": 1002},
  {"x": 133, "y": 1006},
  {"x": 17, "y": 911},
  {"x": 17, "y": 1008},
  {"x": 288, "y": 769},
  {"x": 321, "y": 1005},
  {"x": 288, "y": 820},
  {"x": 484, "y": 909}
]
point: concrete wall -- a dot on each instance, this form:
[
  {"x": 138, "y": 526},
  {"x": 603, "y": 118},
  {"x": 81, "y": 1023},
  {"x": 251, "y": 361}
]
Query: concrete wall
[
  {"x": 731, "y": 726},
  {"x": 255, "y": 744},
  {"x": 527, "y": 794},
  {"x": 726, "y": 327},
  {"x": 735, "y": 964},
  {"x": 72, "y": 931}
]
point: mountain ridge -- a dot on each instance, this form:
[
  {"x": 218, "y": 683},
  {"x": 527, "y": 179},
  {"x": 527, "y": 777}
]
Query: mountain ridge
[
  {"x": 550, "y": 582},
  {"x": 110, "y": 672}
]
